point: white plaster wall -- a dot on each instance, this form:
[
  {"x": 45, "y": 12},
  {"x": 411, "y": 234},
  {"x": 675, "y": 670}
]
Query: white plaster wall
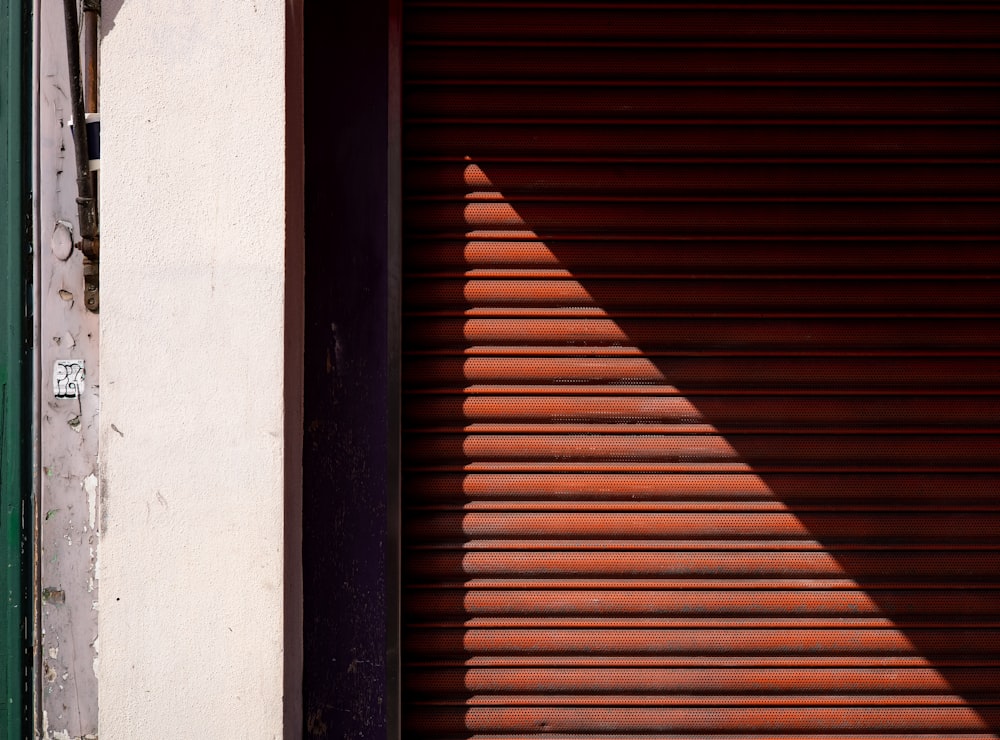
[{"x": 193, "y": 315}]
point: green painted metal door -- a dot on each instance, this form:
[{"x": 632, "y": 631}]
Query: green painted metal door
[{"x": 15, "y": 362}]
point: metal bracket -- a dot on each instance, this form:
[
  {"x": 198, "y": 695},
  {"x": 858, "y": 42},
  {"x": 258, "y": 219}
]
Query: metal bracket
[{"x": 91, "y": 285}]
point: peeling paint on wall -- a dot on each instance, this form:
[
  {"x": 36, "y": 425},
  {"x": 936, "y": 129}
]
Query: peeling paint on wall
[{"x": 70, "y": 491}]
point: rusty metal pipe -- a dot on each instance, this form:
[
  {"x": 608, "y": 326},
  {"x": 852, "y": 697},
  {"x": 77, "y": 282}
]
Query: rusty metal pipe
[
  {"x": 86, "y": 203},
  {"x": 91, "y": 12},
  {"x": 86, "y": 199}
]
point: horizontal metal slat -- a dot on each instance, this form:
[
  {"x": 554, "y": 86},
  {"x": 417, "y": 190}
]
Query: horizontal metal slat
[
  {"x": 713, "y": 623},
  {"x": 677, "y": 334},
  {"x": 782, "y": 682},
  {"x": 714, "y": 736},
  {"x": 959, "y": 565},
  {"x": 660, "y": 354},
  {"x": 705, "y": 661},
  {"x": 800, "y": 138},
  {"x": 694, "y": 584},
  {"x": 603, "y": 62},
  {"x": 850, "y": 450},
  {"x": 449, "y": 220},
  {"x": 903, "y": 23},
  {"x": 678, "y": 179},
  {"x": 722, "y": 413},
  {"x": 424, "y": 722},
  {"x": 704, "y": 545},
  {"x": 900, "y": 699},
  {"x": 847, "y": 505},
  {"x": 762, "y": 295},
  {"x": 747, "y": 602},
  {"x": 914, "y": 374},
  {"x": 748, "y": 543},
  {"x": 582, "y": 259},
  {"x": 440, "y": 642},
  {"x": 914, "y": 527},
  {"x": 916, "y": 641},
  {"x": 578, "y": 313},
  {"x": 646, "y": 429},
  {"x": 481, "y": 100},
  {"x": 697, "y": 466},
  {"x": 787, "y": 488}
]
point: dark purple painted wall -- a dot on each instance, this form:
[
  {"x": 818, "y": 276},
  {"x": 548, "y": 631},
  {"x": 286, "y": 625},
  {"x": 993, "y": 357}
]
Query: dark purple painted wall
[{"x": 344, "y": 518}]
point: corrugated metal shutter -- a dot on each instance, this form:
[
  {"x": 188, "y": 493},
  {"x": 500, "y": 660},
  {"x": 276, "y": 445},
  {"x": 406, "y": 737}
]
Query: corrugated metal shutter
[{"x": 702, "y": 372}]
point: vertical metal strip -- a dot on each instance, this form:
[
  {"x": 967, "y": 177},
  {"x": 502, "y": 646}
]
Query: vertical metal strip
[
  {"x": 34, "y": 570},
  {"x": 294, "y": 363},
  {"x": 393, "y": 395}
]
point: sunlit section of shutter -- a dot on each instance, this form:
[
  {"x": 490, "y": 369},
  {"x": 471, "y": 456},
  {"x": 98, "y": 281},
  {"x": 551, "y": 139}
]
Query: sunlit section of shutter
[{"x": 700, "y": 407}]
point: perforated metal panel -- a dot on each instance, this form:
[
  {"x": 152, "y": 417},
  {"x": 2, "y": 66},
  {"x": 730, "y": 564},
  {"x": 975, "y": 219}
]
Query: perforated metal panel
[{"x": 701, "y": 370}]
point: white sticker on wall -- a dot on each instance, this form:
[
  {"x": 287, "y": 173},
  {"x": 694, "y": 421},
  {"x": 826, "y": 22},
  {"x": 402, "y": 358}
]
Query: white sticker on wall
[{"x": 67, "y": 378}]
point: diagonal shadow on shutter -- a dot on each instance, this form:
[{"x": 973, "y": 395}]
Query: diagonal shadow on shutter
[{"x": 700, "y": 381}]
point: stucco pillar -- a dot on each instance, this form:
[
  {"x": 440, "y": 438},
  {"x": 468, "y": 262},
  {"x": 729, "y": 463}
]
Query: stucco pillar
[{"x": 199, "y": 417}]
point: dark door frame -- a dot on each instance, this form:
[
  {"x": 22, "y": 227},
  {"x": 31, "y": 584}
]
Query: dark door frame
[
  {"x": 16, "y": 434},
  {"x": 350, "y": 522}
]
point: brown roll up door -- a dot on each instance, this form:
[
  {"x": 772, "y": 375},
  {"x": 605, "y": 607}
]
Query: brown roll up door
[{"x": 701, "y": 381}]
